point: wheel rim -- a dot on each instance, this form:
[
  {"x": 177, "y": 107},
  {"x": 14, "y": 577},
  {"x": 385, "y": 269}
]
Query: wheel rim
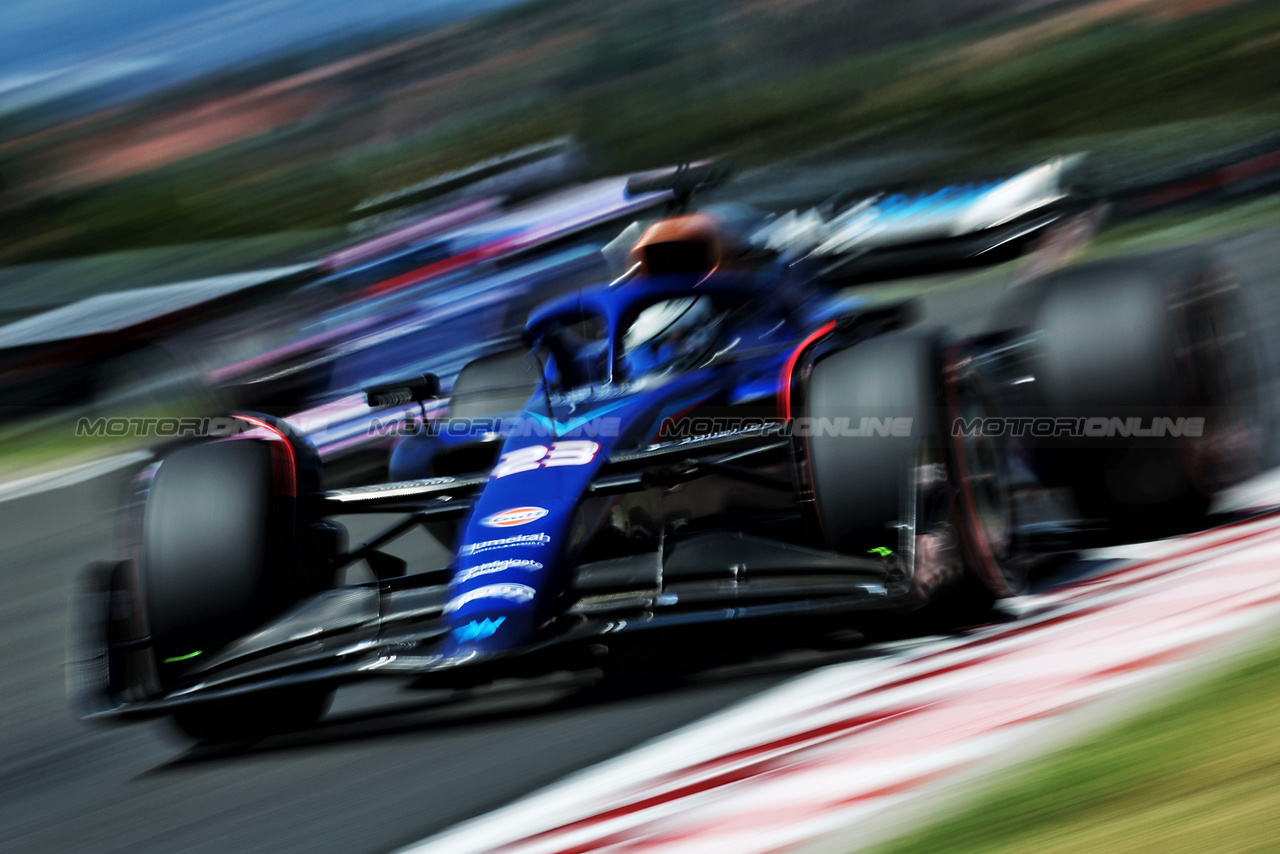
[
  {"x": 984, "y": 505},
  {"x": 928, "y": 537},
  {"x": 1220, "y": 369}
]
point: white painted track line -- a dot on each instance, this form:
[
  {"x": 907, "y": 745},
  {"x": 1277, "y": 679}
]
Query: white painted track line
[{"x": 836, "y": 748}]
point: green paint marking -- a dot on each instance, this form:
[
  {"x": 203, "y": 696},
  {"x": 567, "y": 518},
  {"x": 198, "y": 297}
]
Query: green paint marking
[
  {"x": 183, "y": 657},
  {"x": 880, "y": 550}
]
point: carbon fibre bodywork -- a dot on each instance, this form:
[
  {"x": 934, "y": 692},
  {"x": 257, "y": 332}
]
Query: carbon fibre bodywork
[{"x": 606, "y": 507}]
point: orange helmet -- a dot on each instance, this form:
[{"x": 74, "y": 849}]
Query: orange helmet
[{"x": 690, "y": 243}]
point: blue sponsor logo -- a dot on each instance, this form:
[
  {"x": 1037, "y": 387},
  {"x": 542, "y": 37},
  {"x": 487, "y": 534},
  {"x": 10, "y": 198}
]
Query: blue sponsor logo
[{"x": 477, "y": 629}]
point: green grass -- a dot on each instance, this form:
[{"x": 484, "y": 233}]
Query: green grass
[
  {"x": 1179, "y": 227},
  {"x": 1199, "y": 774},
  {"x": 50, "y": 442}
]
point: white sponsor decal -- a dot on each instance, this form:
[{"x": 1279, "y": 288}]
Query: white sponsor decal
[
  {"x": 515, "y": 516},
  {"x": 497, "y": 566},
  {"x": 512, "y": 592},
  {"x": 533, "y": 540}
]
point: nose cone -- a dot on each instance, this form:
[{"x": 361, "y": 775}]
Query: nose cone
[
  {"x": 490, "y": 632},
  {"x": 510, "y": 559}
]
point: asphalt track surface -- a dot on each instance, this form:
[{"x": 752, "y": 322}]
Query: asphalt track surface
[{"x": 389, "y": 766}]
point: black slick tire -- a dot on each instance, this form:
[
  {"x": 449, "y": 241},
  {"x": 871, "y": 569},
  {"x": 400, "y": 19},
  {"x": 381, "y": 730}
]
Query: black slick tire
[{"x": 218, "y": 559}]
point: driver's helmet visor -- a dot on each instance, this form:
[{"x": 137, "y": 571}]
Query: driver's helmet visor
[{"x": 670, "y": 334}]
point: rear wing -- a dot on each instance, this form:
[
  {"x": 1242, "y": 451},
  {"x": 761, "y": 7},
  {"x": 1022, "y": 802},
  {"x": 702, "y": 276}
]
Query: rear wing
[{"x": 899, "y": 234}]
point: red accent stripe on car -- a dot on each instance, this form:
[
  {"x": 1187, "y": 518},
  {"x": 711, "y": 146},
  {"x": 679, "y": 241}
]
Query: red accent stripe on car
[
  {"x": 439, "y": 268},
  {"x": 785, "y": 378},
  {"x": 281, "y": 454}
]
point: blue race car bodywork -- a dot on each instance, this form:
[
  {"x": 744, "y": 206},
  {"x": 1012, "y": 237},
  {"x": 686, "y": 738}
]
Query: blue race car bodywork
[
  {"x": 518, "y": 543},
  {"x": 608, "y": 486},
  {"x": 700, "y": 440}
]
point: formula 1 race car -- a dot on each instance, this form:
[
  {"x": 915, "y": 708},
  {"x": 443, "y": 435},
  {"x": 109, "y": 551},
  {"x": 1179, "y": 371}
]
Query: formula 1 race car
[{"x": 698, "y": 441}]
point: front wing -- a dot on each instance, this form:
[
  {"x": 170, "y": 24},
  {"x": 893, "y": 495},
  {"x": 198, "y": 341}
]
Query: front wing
[{"x": 393, "y": 626}]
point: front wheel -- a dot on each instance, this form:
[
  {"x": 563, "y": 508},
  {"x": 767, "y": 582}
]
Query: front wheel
[
  {"x": 225, "y": 547},
  {"x": 888, "y": 479}
]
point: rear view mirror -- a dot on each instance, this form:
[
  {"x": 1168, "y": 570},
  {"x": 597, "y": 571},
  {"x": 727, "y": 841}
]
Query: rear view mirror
[{"x": 399, "y": 392}]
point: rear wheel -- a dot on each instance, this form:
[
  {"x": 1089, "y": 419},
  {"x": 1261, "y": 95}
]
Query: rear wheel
[
  {"x": 219, "y": 557},
  {"x": 1154, "y": 337}
]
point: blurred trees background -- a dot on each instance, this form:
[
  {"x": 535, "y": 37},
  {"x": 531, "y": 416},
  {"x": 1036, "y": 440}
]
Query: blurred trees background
[{"x": 295, "y": 141}]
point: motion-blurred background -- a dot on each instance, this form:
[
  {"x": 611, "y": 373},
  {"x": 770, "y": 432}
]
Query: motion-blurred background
[
  {"x": 150, "y": 125},
  {"x": 151, "y": 144},
  {"x": 268, "y": 203}
]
